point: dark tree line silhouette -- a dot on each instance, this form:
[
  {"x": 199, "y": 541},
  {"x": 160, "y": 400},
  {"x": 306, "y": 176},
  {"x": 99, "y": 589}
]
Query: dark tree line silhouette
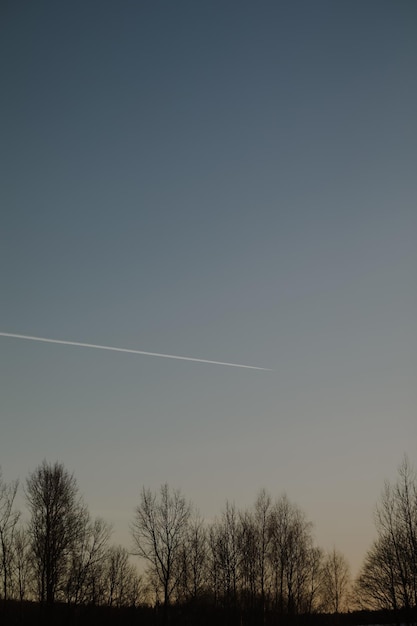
[{"x": 254, "y": 566}]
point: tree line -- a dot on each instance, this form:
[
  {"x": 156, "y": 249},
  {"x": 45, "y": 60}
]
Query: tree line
[{"x": 261, "y": 563}]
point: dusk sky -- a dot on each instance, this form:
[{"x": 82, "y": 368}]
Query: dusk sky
[{"x": 226, "y": 180}]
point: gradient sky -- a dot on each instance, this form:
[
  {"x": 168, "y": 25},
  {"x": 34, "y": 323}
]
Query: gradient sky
[{"x": 228, "y": 180}]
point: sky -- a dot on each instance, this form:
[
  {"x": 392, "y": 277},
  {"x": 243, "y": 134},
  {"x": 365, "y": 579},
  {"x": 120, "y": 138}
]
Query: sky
[{"x": 233, "y": 181}]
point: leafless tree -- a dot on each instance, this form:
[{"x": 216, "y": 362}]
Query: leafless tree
[
  {"x": 336, "y": 582},
  {"x": 8, "y": 521},
  {"x": 193, "y": 560},
  {"x": 22, "y": 564},
  {"x": 405, "y": 493},
  {"x": 389, "y": 575},
  {"x": 249, "y": 549},
  {"x": 159, "y": 531},
  {"x": 290, "y": 556},
  {"x": 376, "y": 586},
  {"x": 313, "y": 581},
  {"x": 57, "y": 519},
  {"x": 87, "y": 554},
  {"x": 262, "y": 520},
  {"x": 225, "y": 556},
  {"x": 122, "y": 583},
  {"x": 255, "y": 538}
]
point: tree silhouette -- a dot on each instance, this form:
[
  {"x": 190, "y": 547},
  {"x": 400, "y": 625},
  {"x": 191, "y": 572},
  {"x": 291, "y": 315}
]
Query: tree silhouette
[
  {"x": 8, "y": 521},
  {"x": 57, "y": 520},
  {"x": 336, "y": 582},
  {"x": 388, "y": 578},
  {"x": 159, "y": 531}
]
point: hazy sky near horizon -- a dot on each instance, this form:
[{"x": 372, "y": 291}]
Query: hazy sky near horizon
[{"x": 233, "y": 181}]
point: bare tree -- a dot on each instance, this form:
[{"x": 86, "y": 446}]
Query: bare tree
[
  {"x": 88, "y": 552},
  {"x": 8, "y": 521},
  {"x": 389, "y": 575},
  {"x": 290, "y": 560},
  {"x": 376, "y": 586},
  {"x": 159, "y": 531},
  {"x": 336, "y": 582},
  {"x": 193, "y": 560},
  {"x": 313, "y": 582},
  {"x": 405, "y": 493},
  {"x": 57, "y": 519},
  {"x": 262, "y": 520},
  {"x": 255, "y": 538},
  {"x": 122, "y": 584},
  {"x": 225, "y": 556},
  {"x": 249, "y": 549},
  {"x": 22, "y": 564}
]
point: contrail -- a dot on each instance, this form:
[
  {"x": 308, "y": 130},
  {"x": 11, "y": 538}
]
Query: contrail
[{"x": 130, "y": 351}]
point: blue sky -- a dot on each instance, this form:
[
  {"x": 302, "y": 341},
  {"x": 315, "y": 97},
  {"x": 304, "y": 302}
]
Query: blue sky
[{"x": 226, "y": 180}]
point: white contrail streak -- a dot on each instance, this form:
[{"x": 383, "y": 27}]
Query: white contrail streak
[{"x": 130, "y": 351}]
